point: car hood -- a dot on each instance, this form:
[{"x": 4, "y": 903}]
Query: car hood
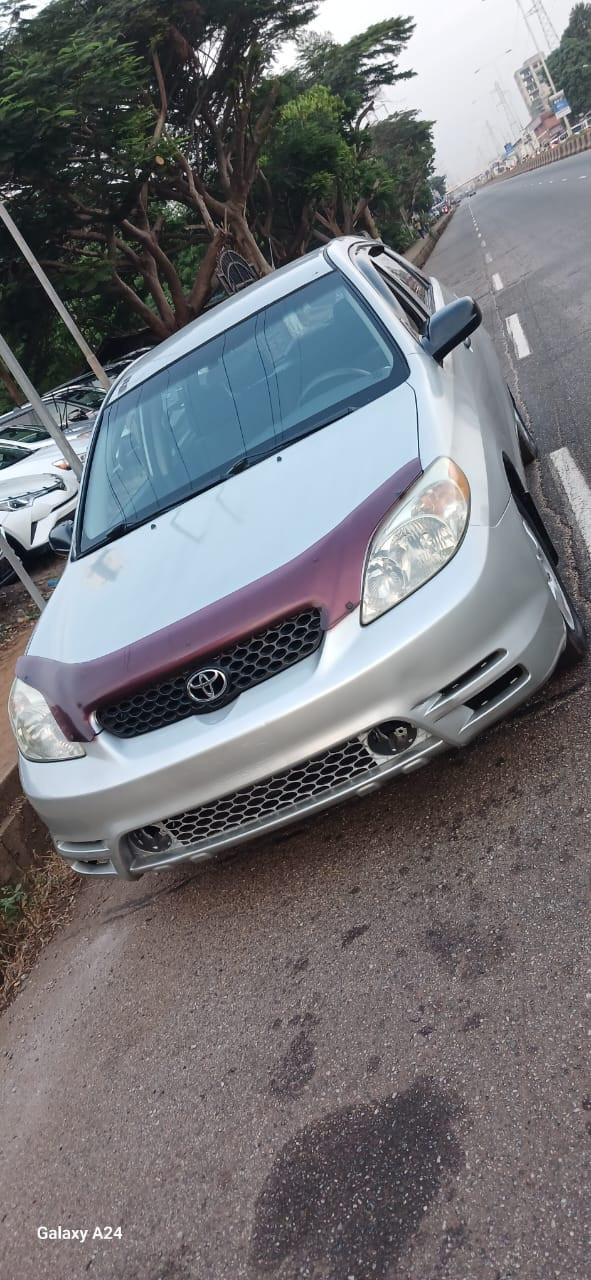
[
  {"x": 286, "y": 530},
  {"x": 14, "y": 481}
]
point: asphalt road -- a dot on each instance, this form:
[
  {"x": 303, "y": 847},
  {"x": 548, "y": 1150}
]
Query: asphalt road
[{"x": 364, "y": 1051}]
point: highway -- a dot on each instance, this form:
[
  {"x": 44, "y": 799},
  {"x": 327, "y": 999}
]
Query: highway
[{"x": 362, "y": 1052}]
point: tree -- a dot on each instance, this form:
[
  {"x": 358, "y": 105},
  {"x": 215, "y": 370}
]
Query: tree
[
  {"x": 115, "y": 135},
  {"x": 439, "y": 183},
  {"x": 357, "y": 70},
  {"x": 319, "y": 176},
  {"x": 570, "y": 64},
  {"x": 405, "y": 144},
  {"x": 579, "y": 23}
]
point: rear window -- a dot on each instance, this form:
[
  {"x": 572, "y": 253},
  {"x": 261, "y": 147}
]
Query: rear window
[
  {"x": 26, "y": 435},
  {"x": 292, "y": 368}
]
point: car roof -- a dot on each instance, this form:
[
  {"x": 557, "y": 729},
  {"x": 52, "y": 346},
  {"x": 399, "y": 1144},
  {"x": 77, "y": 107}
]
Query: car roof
[{"x": 260, "y": 294}]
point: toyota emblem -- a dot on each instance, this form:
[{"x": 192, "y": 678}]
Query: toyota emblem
[{"x": 207, "y": 686}]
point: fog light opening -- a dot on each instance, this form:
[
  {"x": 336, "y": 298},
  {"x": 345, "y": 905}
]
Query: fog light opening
[
  {"x": 391, "y": 738},
  {"x": 152, "y": 839}
]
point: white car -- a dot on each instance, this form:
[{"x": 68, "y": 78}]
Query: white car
[
  {"x": 37, "y": 490},
  {"x": 32, "y": 438}
]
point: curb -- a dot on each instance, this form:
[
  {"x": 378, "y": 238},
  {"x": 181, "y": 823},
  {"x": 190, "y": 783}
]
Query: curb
[
  {"x": 23, "y": 837},
  {"x": 421, "y": 250}
]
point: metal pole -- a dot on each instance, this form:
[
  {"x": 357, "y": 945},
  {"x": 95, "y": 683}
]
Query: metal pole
[
  {"x": 40, "y": 408},
  {"x": 62, "y": 311},
  {"x": 545, "y": 66},
  {"x": 21, "y": 572}
]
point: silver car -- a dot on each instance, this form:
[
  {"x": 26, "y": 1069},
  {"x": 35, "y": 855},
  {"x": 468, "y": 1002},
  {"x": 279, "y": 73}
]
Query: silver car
[{"x": 305, "y": 559}]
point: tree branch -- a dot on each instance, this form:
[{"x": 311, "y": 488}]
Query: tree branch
[{"x": 161, "y": 121}]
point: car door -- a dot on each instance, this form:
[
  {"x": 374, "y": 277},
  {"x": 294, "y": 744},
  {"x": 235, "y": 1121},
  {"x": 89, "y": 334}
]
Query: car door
[{"x": 479, "y": 384}]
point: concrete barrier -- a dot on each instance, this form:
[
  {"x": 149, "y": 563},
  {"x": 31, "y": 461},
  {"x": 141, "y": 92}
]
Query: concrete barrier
[{"x": 571, "y": 147}]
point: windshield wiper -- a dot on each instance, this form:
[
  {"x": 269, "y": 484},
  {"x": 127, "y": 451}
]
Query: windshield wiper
[
  {"x": 117, "y": 531},
  {"x": 241, "y": 465},
  {"x": 249, "y": 459}
]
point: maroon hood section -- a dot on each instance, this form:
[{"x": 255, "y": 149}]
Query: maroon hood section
[{"x": 328, "y": 576}]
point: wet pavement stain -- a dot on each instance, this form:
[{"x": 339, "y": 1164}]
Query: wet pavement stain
[
  {"x": 463, "y": 951},
  {"x": 296, "y": 1068},
  {"x": 346, "y": 1195},
  {"x": 352, "y": 935}
]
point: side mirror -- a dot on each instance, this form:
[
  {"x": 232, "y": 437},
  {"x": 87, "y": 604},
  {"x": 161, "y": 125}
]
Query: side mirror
[
  {"x": 450, "y": 326},
  {"x": 60, "y": 538}
]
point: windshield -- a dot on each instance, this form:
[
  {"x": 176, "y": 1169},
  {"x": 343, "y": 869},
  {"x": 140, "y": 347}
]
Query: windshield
[
  {"x": 9, "y": 454},
  {"x": 298, "y": 364},
  {"x": 90, "y": 397}
]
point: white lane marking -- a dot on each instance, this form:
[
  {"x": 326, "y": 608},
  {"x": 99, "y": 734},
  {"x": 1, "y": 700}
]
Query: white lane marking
[
  {"x": 488, "y": 258},
  {"x": 576, "y": 489},
  {"x": 484, "y": 244},
  {"x": 582, "y": 177},
  {"x": 520, "y": 341},
  {"x": 497, "y": 282},
  {"x": 565, "y": 179}
]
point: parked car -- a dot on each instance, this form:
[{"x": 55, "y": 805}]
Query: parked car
[
  {"x": 69, "y": 408},
  {"x": 37, "y": 490},
  {"x": 305, "y": 560},
  {"x": 38, "y": 437}
]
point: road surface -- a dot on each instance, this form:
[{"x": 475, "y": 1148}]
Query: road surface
[{"x": 364, "y": 1051}]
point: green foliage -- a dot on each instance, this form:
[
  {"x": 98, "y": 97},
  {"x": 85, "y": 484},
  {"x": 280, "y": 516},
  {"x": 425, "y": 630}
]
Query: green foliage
[
  {"x": 570, "y": 64},
  {"x": 136, "y": 136},
  {"x": 439, "y": 183},
  {"x": 358, "y": 70},
  {"x": 12, "y": 901},
  {"x": 406, "y": 146},
  {"x": 307, "y": 151}
]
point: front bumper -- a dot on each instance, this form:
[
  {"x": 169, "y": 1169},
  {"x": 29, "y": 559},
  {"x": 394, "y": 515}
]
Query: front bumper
[{"x": 451, "y": 660}]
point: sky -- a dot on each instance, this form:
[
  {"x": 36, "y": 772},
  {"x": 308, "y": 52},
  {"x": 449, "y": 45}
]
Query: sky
[{"x": 458, "y": 50}]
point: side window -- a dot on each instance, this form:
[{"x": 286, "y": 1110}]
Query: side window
[{"x": 408, "y": 277}]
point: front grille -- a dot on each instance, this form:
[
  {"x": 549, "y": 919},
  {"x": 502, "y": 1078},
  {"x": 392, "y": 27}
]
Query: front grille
[
  {"x": 245, "y": 664},
  {"x": 323, "y": 773}
]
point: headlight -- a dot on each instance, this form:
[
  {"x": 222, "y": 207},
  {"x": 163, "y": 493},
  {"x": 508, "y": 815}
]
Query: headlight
[
  {"x": 417, "y": 539},
  {"x": 27, "y": 499},
  {"x": 37, "y": 732},
  {"x": 15, "y": 504}
]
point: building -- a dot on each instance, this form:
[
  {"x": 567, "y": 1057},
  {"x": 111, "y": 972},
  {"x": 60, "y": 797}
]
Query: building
[{"x": 533, "y": 85}]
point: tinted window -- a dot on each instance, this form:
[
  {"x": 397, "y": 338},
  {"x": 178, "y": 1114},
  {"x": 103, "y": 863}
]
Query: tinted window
[
  {"x": 26, "y": 435},
  {"x": 401, "y": 273},
  {"x": 9, "y": 455},
  {"x": 306, "y": 360}
]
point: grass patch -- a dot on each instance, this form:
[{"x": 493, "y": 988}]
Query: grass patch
[{"x": 30, "y": 913}]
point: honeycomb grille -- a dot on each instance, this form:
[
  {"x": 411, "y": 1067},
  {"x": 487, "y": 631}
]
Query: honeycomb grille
[
  {"x": 246, "y": 664},
  {"x": 259, "y": 802}
]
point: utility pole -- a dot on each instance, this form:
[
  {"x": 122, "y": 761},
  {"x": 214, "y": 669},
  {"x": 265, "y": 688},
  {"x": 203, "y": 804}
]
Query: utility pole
[
  {"x": 497, "y": 146},
  {"x": 62, "y": 311},
  {"x": 548, "y": 29},
  {"x": 534, "y": 39},
  {"x": 511, "y": 118}
]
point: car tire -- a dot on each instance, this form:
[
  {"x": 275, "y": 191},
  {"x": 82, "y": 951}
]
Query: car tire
[
  {"x": 527, "y": 445},
  {"x": 577, "y": 640}
]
